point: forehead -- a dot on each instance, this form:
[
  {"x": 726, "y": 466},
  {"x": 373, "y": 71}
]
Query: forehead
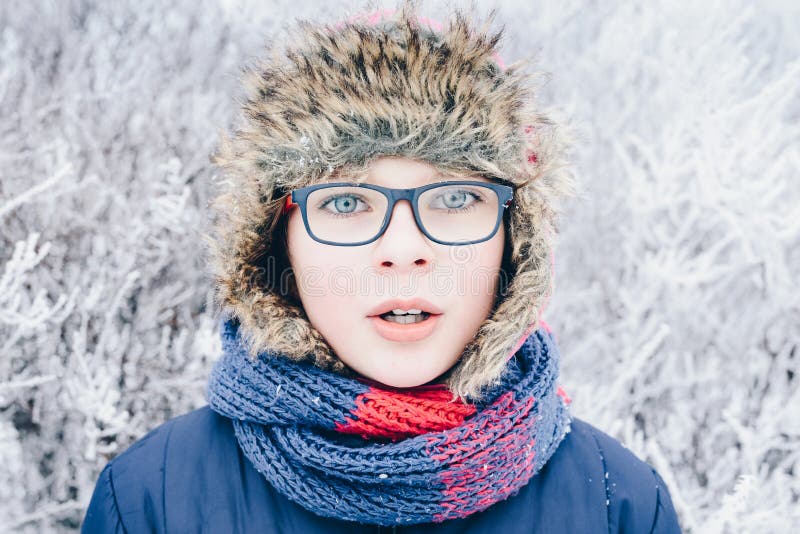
[{"x": 393, "y": 171}]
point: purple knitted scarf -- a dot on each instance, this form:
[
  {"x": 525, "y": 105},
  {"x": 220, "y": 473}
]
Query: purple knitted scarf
[{"x": 349, "y": 449}]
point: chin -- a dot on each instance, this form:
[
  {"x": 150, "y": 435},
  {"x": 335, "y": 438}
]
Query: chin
[{"x": 408, "y": 382}]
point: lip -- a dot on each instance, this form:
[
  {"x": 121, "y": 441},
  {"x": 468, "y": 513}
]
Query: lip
[
  {"x": 415, "y": 303},
  {"x": 405, "y": 332}
]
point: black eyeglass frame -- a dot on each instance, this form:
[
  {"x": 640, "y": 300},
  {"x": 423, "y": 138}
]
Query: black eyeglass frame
[{"x": 505, "y": 195}]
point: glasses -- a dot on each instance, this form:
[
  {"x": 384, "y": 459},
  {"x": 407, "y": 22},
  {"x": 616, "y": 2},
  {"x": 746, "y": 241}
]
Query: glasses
[{"x": 458, "y": 212}]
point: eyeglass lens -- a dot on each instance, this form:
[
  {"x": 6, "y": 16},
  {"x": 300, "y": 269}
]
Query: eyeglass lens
[{"x": 450, "y": 213}]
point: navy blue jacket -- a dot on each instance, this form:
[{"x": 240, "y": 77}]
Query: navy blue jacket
[{"x": 189, "y": 475}]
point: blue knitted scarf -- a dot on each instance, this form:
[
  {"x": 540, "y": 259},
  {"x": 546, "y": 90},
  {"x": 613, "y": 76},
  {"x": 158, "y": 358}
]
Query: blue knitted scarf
[{"x": 354, "y": 450}]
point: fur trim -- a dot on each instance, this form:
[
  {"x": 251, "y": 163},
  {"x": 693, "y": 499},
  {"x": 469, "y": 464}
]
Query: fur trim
[{"x": 342, "y": 96}]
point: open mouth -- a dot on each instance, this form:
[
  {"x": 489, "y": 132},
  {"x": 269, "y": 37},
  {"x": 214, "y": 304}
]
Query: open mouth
[
  {"x": 405, "y": 318},
  {"x": 405, "y": 325}
]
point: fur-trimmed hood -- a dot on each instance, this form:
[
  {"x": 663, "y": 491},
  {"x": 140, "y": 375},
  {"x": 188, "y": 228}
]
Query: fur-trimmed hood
[{"x": 387, "y": 84}]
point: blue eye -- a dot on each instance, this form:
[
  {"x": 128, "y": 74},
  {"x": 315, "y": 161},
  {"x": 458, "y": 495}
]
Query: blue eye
[
  {"x": 343, "y": 204},
  {"x": 456, "y": 199}
]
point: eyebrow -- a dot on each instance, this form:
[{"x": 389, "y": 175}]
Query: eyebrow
[
  {"x": 455, "y": 176},
  {"x": 465, "y": 176},
  {"x": 440, "y": 175}
]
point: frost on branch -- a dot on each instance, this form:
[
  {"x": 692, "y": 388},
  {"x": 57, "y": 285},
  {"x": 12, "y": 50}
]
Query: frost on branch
[{"x": 675, "y": 302}]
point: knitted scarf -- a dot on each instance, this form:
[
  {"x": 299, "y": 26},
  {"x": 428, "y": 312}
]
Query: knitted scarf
[{"x": 355, "y": 450}]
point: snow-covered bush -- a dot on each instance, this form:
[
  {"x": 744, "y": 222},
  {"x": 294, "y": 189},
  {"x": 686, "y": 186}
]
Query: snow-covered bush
[{"x": 676, "y": 303}]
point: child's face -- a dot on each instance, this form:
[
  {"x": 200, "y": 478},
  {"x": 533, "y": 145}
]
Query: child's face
[{"x": 341, "y": 286}]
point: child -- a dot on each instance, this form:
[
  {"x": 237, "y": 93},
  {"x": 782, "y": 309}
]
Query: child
[{"x": 383, "y": 257}]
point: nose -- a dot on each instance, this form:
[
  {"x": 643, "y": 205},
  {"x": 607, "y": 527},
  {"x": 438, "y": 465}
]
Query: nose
[{"x": 403, "y": 246}]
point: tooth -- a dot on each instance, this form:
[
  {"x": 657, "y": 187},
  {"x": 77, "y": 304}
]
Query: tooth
[
  {"x": 405, "y": 319},
  {"x": 398, "y": 311}
]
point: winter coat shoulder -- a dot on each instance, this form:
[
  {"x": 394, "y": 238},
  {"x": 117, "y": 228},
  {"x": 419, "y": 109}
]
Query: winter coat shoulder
[{"x": 189, "y": 475}]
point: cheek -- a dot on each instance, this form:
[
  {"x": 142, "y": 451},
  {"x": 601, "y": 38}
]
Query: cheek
[
  {"x": 496, "y": 247},
  {"x": 474, "y": 278},
  {"x": 304, "y": 258},
  {"x": 295, "y": 232},
  {"x": 324, "y": 274},
  {"x": 485, "y": 268},
  {"x": 303, "y": 252}
]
